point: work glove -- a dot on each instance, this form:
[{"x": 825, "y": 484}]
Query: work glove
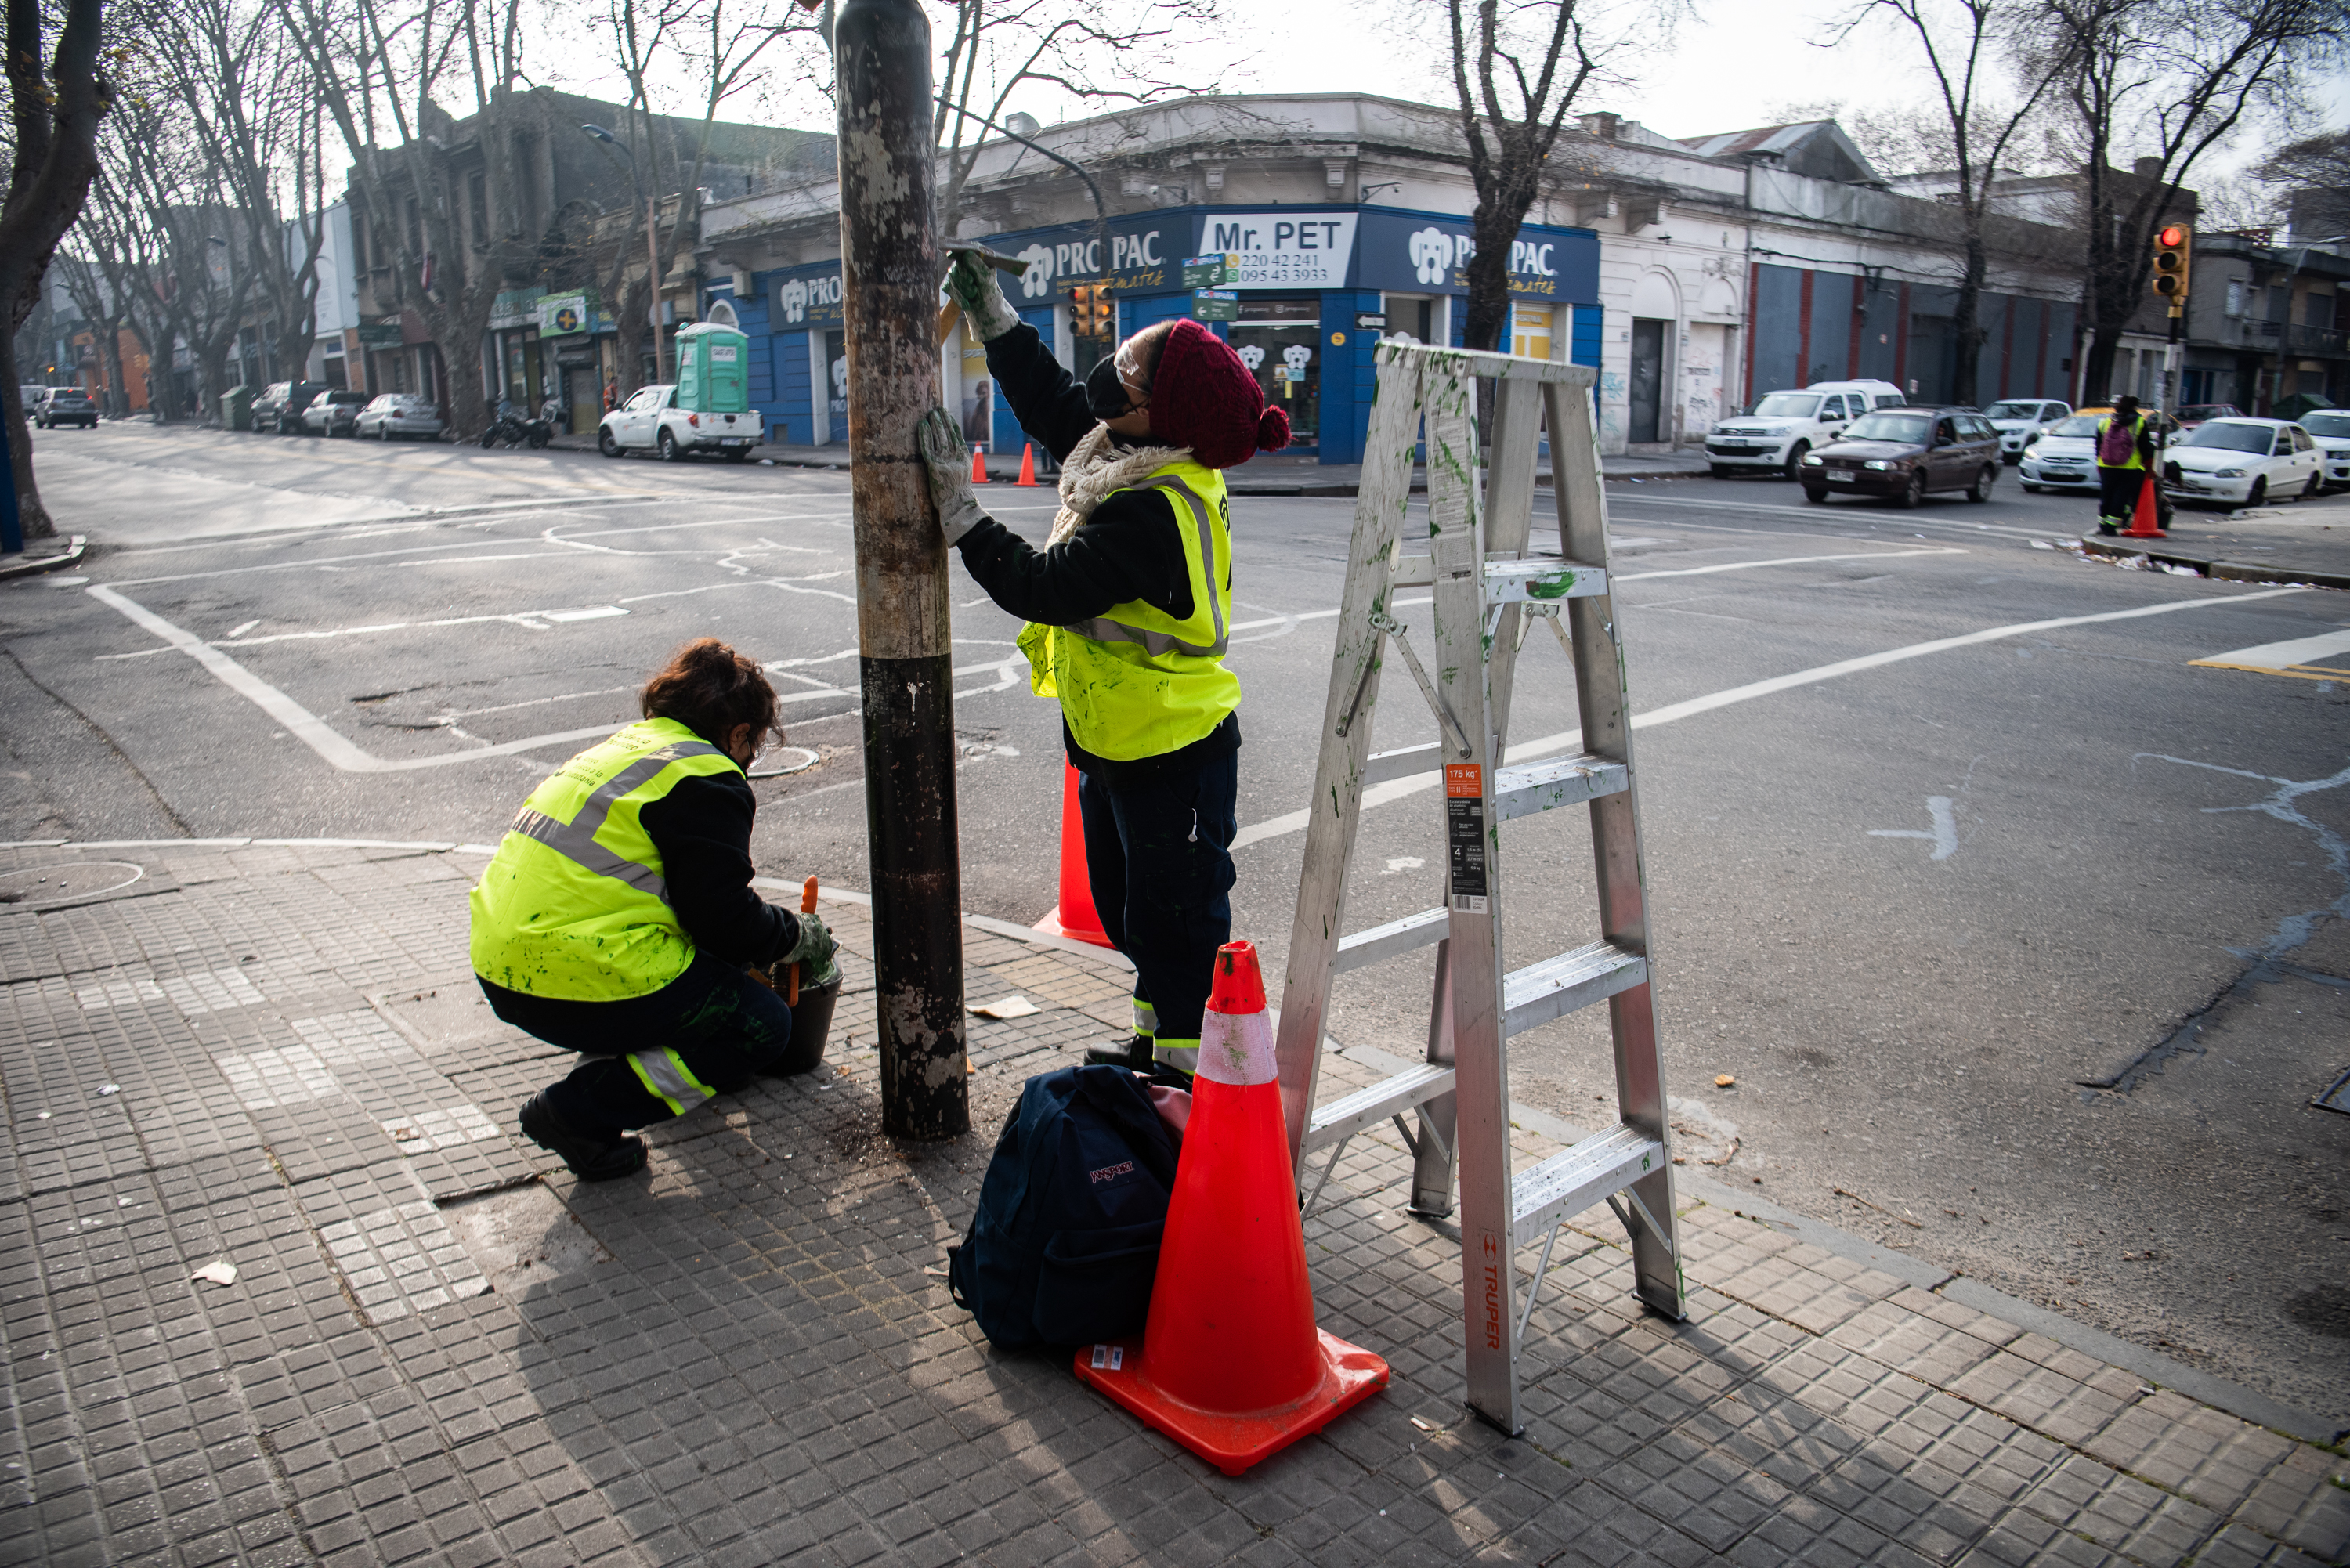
[
  {"x": 949, "y": 461},
  {"x": 813, "y": 952},
  {"x": 972, "y": 284}
]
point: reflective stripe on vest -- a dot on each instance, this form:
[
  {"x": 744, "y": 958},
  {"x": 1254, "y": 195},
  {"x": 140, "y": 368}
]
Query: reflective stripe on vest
[
  {"x": 1158, "y": 644},
  {"x": 666, "y": 1077},
  {"x": 576, "y": 840}
]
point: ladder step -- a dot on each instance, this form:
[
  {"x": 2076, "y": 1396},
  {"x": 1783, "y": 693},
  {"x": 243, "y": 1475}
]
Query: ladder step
[
  {"x": 1369, "y": 946},
  {"x": 1368, "y": 1108},
  {"x": 1572, "y": 1181},
  {"x": 1557, "y": 987},
  {"x": 1554, "y": 782},
  {"x": 1542, "y": 581},
  {"x": 1382, "y": 767}
]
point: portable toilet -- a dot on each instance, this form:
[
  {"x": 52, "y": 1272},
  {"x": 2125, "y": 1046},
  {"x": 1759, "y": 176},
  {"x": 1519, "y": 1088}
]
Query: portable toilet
[{"x": 711, "y": 365}]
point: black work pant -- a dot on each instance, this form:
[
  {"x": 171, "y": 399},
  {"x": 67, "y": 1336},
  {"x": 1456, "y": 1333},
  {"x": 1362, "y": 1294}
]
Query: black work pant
[
  {"x": 2117, "y": 491},
  {"x": 1158, "y": 859},
  {"x": 712, "y": 1028}
]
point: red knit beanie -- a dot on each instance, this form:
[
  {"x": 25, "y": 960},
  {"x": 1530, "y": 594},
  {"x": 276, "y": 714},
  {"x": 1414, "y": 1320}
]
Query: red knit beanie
[{"x": 1203, "y": 396}]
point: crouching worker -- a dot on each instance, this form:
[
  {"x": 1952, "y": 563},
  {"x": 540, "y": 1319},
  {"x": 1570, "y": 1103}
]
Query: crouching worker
[
  {"x": 618, "y": 918},
  {"x": 1129, "y": 606}
]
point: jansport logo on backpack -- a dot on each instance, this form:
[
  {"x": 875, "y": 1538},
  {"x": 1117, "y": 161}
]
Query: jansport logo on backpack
[{"x": 1064, "y": 1246}]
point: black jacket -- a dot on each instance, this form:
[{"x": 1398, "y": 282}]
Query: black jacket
[
  {"x": 703, "y": 829},
  {"x": 1129, "y": 549}
]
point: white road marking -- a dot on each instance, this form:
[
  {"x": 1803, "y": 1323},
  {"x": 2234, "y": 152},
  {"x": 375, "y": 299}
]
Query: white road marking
[
  {"x": 240, "y": 631},
  {"x": 2325, "y": 657},
  {"x": 1547, "y": 745},
  {"x": 1945, "y": 836}
]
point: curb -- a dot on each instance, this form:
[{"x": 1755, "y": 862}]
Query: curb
[
  {"x": 28, "y": 566},
  {"x": 2225, "y": 571}
]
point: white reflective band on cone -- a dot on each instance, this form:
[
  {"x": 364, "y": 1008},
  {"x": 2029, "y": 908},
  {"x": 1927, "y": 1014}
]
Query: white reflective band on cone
[{"x": 1236, "y": 1048}]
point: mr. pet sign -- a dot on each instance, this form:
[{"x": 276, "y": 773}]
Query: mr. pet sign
[{"x": 1283, "y": 250}]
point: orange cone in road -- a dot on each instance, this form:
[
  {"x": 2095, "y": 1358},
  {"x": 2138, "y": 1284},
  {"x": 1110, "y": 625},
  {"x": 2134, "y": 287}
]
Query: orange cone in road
[
  {"x": 1027, "y": 466},
  {"x": 2142, "y": 521},
  {"x": 978, "y": 465},
  {"x": 1230, "y": 1363},
  {"x": 1075, "y": 915}
]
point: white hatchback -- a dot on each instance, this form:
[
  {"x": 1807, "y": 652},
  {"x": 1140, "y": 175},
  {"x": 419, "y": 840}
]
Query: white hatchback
[
  {"x": 2330, "y": 429},
  {"x": 2243, "y": 462},
  {"x": 2018, "y": 420}
]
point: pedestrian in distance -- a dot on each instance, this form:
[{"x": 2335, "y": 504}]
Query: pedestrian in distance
[
  {"x": 2125, "y": 454},
  {"x": 611, "y": 393},
  {"x": 616, "y": 918},
  {"x": 1128, "y": 609}
]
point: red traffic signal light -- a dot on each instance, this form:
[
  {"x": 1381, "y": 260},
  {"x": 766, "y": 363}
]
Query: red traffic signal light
[
  {"x": 2171, "y": 244},
  {"x": 2172, "y": 237}
]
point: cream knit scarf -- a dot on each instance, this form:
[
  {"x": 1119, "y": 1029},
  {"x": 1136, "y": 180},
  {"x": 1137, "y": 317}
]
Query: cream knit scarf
[{"x": 1093, "y": 468}]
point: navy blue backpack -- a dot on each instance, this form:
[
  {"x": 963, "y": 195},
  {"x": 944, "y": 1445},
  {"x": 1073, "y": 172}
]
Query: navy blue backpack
[{"x": 1065, "y": 1244}]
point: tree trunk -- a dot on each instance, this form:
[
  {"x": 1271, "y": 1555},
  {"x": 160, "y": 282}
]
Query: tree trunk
[
  {"x": 1495, "y": 228},
  {"x": 1966, "y": 327},
  {"x": 29, "y": 510}
]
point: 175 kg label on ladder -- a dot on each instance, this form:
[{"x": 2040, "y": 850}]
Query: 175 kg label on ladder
[{"x": 1464, "y": 835}]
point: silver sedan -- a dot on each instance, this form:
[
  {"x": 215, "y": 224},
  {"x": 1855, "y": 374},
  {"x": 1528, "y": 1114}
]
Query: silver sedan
[{"x": 405, "y": 415}]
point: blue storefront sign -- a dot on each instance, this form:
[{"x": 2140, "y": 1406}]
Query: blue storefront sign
[{"x": 1303, "y": 281}]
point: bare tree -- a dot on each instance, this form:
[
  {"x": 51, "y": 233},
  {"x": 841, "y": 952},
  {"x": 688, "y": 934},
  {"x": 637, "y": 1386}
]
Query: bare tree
[
  {"x": 1113, "y": 52},
  {"x": 1517, "y": 70},
  {"x": 2164, "y": 82},
  {"x": 2311, "y": 178},
  {"x": 56, "y": 104},
  {"x": 101, "y": 308},
  {"x": 716, "y": 45},
  {"x": 1985, "y": 112}
]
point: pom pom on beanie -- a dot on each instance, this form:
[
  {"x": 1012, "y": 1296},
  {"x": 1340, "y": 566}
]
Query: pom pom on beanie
[
  {"x": 1271, "y": 430},
  {"x": 1203, "y": 396}
]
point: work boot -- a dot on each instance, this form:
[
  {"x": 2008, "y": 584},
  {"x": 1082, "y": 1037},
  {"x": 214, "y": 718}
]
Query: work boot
[
  {"x": 588, "y": 1159},
  {"x": 1134, "y": 1054},
  {"x": 2106, "y": 528}
]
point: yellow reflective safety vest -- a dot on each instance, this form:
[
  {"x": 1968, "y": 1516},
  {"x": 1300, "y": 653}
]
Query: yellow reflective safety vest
[
  {"x": 573, "y": 905},
  {"x": 1137, "y": 682},
  {"x": 2136, "y": 428}
]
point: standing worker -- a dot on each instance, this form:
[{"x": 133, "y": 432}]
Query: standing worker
[
  {"x": 616, "y": 918},
  {"x": 1128, "y": 607},
  {"x": 2125, "y": 454}
]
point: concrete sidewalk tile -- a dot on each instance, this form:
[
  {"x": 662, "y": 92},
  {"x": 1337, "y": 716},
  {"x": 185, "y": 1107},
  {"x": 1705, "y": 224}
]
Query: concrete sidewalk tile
[
  {"x": 2038, "y": 1396},
  {"x": 2304, "y": 1503}
]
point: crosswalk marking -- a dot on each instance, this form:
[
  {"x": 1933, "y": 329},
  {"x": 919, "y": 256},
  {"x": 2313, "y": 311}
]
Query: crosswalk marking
[{"x": 2325, "y": 657}]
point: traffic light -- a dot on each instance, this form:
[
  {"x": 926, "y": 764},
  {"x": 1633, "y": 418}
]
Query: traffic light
[
  {"x": 2171, "y": 243},
  {"x": 1093, "y": 313}
]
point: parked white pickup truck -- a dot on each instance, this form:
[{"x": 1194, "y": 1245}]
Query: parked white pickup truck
[{"x": 651, "y": 420}]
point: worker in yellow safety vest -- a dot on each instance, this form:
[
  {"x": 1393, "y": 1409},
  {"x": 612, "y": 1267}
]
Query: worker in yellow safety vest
[
  {"x": 616, "y": 918},
  {"x": 1128, "y": 609},
  {"x": 2125, "y": 454}
]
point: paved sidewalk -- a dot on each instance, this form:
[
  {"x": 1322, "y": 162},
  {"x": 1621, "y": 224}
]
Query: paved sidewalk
[
  {"x": 2296, "y": 542},
  {"x": 433, "y": 1350}
]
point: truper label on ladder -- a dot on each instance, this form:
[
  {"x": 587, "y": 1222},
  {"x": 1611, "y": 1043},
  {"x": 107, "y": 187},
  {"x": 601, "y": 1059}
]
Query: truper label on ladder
[{"x": 1464, "y": 830}]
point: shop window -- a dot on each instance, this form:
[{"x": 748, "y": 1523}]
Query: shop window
[{"x": 1279, "y": 340}]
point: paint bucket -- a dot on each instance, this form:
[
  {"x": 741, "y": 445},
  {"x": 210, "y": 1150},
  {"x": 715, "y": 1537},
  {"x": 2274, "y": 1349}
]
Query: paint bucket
[{"x": 811, "y": 1023}]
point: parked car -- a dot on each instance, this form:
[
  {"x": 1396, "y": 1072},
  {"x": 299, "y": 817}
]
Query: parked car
[
  {"x": 409, "y": 416},
  {"x": 279, "y": 407},
  {"x": 28, "y": 397},
  {"x": 2194, "y": 414},
  {"x": 333, "y": 413},
  {"x": 2065, "y": 455},
  {"x": 2018, "y": 420},
  {"x": 2330, "y": 429},
  {"x": 1782, "y": 426},
  {"x": 1905, "y": 454},
  {"x": 2243, "y": 462},
  {"x": 652, "y": 420},
  {"x": 66, "y": 406}
]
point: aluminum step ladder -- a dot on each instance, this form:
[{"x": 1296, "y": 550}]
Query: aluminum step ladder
[{"x": 1487, "y": 591}]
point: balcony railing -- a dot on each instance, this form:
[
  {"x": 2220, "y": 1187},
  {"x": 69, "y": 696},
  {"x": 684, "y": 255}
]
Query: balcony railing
[{"x": 2316, "y": 340}]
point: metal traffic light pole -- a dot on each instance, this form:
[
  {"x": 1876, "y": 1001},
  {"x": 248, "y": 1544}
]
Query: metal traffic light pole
[{"x": 891, "y": 271}]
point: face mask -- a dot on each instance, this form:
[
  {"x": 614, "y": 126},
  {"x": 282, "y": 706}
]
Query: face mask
[{"x": 1105, "y": 396}]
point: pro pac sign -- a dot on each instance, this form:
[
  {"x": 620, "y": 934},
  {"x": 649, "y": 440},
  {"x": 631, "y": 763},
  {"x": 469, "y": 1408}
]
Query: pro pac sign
[{"x": 1060, "y": 258}]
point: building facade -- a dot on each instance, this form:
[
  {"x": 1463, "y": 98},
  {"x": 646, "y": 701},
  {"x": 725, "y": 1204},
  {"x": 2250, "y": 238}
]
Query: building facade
[{"x": 1695, "y": 276}]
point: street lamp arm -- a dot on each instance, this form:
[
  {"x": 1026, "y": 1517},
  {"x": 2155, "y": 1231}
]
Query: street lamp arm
[{"x": 1101, "y": 212}]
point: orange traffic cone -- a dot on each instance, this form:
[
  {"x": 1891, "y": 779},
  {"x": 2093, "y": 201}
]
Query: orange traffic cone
[
  {"x": 1231, "y": 1365},
  {"x": 978, "y": 465},
  {"x": 1027, "y": 466},
  {"x": 1075, "y": 915},
  {"x": 2142, "y": 524}
]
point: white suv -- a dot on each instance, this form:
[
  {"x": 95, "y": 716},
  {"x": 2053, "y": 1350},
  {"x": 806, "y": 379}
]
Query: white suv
[
  {"x": 2330, "y": 429},
  {"x": 1783, "y": 426},
  {"x": 2018, "y": 420}
]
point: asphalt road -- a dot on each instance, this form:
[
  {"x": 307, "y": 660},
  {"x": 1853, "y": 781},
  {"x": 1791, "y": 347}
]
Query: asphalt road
[{"x": 1909, "y": 906}]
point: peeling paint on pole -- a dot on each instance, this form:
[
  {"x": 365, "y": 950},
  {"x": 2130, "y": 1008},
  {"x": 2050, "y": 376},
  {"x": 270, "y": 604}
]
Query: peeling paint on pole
[{"x": 891, "y": 272}]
